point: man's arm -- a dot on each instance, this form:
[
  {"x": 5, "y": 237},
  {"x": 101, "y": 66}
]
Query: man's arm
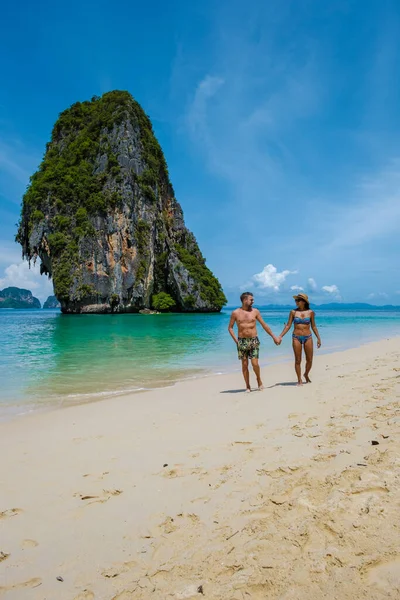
[
  {"x": 232, "y": 321},
  {"x": 288, "y": 324},
  {"x": 315, "y": 330},
  {"x": 266, "y": 328}
]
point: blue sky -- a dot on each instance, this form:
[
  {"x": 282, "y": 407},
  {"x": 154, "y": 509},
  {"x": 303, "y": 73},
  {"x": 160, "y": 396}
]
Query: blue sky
[{"x": 280, "y": 122}]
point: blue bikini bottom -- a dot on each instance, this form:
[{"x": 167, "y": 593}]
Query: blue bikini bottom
[{"x": 302, "y": 338}]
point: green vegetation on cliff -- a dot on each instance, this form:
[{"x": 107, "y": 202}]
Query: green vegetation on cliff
[
  {"x": 209, "y": 287},
  {"x": 163, "y": 302},
  {"x": 66, "y": 176}
]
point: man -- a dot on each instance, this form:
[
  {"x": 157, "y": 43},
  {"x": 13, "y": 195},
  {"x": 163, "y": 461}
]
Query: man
[{"x": 247, "y": 342}]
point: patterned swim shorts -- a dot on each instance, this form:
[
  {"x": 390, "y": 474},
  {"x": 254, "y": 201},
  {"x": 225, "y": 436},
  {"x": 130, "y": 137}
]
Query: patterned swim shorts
[{"x": 248, "y": 347}]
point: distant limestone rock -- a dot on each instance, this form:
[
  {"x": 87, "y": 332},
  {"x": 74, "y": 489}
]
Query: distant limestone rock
[
  {"x": 102, "y": 216},
  {"x": 52, "y": 302},
  {"x": 13, "y": 297}
]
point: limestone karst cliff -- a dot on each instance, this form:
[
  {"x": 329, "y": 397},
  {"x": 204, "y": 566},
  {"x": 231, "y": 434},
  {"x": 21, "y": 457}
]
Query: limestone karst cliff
[
  {"x": 101, "y": 214},
  {"x": 51, "y": 302}
]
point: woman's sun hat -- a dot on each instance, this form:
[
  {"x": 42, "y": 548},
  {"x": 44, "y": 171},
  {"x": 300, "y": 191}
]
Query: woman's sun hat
[{"x": 301, "y": 297}]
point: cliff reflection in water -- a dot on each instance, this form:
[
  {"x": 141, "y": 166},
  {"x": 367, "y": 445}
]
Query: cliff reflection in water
[{"x": 92, "y": 355}]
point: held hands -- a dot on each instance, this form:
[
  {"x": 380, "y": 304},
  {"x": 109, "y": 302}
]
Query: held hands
[
  {"x": 318, "y": 343},
  {"x": 277, "y": 340}
]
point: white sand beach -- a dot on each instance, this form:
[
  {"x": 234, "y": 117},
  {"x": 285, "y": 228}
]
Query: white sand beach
[{"x": 200, "y": 490}]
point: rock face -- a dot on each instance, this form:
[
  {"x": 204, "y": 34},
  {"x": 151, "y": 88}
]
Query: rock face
[
  {"x": 52, "y": 302},
  {"x": 102, "y": 216},
  {"x": 13, "y": 297}
]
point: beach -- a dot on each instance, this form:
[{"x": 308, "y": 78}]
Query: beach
[{"x": 200, "y": 490}]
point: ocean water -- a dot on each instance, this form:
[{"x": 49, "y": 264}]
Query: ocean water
[{"x": 48, "y": 359}]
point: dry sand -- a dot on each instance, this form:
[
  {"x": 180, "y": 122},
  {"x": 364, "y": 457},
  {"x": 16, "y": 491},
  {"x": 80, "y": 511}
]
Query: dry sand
[{"x": 202, "y": 491}]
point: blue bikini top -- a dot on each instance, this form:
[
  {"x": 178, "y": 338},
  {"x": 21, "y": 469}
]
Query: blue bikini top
[{"x": 300, "y": 321}]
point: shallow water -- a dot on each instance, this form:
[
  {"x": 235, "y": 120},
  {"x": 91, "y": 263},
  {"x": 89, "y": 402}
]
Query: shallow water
[{"x": 51, "y": 359}]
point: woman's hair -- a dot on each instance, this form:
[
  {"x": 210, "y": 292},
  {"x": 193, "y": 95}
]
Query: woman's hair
[{"x": 306, "y": 303}]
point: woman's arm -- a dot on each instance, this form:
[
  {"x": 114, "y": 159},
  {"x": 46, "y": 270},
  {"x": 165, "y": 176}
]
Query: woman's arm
[
  {"x": 288, "y": 324},
  {"x": 315, "y": 330}
]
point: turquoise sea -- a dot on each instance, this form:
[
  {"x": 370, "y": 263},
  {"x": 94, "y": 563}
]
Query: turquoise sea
[{"x": 49, "y": 359}]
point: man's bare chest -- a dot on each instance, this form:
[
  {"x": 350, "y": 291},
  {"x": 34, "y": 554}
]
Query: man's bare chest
[{"x": 244, "y": 318}]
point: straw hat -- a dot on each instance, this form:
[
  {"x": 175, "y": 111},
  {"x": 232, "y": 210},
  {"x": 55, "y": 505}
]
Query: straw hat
[{"x": 302, "y": 297}]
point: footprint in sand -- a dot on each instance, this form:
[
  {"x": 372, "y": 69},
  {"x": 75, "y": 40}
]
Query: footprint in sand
[
  {"x": 168, "y": 526},
  {"x": 85, "y": 595},
  {"x": 297, "y": 431},
  {"x": 29, "y": 544},
  {"x": 324, "y": 457},
  {"x": 101, "y": 476},
  {"x": 104, "y": 496},
  {"x": 125, "y": 595},
  {"x": 119, "y": 569},
  {"x": 3, "y": 556},
  {"x": 172, "y": 474},
  {"x": 10, "y": 512},
  {"x": 31, "y": 583},
  {"x": 202, "y": 499},
  {"x": 78, "y": 440},
  {"x": 178, "y": 472},
  {"x": 385, "y": 575}
]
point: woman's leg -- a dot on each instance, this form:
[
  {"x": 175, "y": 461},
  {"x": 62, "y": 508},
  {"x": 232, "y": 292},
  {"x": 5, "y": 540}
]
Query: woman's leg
[
  {"x": 297, "y": 360},
  {"x": 309, "y": 351}
]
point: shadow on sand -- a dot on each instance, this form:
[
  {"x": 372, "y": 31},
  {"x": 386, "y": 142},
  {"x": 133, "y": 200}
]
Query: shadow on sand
[{"x": 283, "y": 383}]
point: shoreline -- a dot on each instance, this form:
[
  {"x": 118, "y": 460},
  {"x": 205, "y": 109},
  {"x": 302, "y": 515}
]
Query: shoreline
[
  {"x": 285, "y": 493},
  {"x": 7, "y": 414}
]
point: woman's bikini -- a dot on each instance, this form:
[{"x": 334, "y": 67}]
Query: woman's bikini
[{"x": 301, "y": 321}]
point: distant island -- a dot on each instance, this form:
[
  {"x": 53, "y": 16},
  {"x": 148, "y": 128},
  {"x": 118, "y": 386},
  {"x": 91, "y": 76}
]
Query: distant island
[
  {"x": 330, "y": 306},
  {"x": 13, "y": 297},
  {"x": 52, "y": 302},
  {"x": 101, "y": 214}
]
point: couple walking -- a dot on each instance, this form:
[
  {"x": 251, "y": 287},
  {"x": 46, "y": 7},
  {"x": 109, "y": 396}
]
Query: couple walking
[{"x": 248, "y": 344}]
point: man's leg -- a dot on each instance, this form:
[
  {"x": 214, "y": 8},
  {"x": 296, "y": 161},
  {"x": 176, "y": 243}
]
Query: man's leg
[
  {"x": 246, "y": 374},
  {"x": 256, "y": 369}
]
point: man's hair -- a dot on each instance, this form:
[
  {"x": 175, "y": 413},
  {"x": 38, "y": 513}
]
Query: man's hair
[{"x": 244, "y": 296}]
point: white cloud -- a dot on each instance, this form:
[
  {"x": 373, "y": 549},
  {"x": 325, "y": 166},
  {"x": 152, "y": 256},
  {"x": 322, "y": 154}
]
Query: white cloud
[
  {"x": 378, "y": 295},
  {"x": 312, "y": 284},
  {"x": 296, "y": 288},
  {"x": 197, "y": 114},
  {"x": 20, "y": 275},
  {"x": 270, "y": 278},
  {"x": 332, "y": 290}
]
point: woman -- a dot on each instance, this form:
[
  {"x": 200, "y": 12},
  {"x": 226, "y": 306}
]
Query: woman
[{"x": 303, "y": 319}]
